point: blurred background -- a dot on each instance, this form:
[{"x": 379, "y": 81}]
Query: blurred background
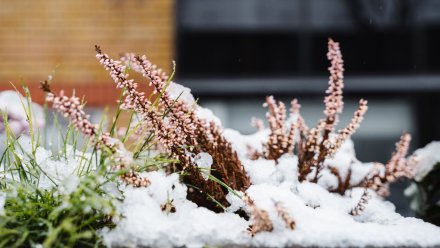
[{"x": 233, "y": 53}]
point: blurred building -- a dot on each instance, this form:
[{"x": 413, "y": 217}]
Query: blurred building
[
  {"x": 242, "y": 50},
  {"x": 57, "y": 37}
]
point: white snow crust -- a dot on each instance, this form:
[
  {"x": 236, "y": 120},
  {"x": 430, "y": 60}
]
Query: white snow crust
[
  {"x": 426, "y": 158},
  {"x": 322, "y": 218}
]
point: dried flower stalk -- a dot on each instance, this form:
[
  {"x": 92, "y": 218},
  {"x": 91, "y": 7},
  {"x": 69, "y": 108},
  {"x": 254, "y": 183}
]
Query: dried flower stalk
[
  {"x": 199, "y": 135},
  {"x": 314, "y": 145},
  {"x": 259, "y": 217},
  {"x": 361, "y": 205},
  {"x": 252, "y": 153},
  {"x": 279, "y": 142},
  {"x": 397, "y": 167},
  {"x": 343, "y": 184}
]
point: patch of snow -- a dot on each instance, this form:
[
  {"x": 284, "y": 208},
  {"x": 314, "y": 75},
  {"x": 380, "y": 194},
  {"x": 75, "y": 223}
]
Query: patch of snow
[
  {"x": 11, "y": 103},
  {"x": 182, "y": 93},
  {"x": 147, "y": 225},
  {"x": 235, "y": 199},
  {"x": 208, "y": 115},
  {"x": 322, "y": 218},
  {"x": 204, "y": 161},
  {"x": 426, "y": 158},
  {"x": 2, "y": 203},
  {"x": 62, "y": 171}
]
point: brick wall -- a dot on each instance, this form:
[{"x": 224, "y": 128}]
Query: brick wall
[{"x": 37, "y": 37}]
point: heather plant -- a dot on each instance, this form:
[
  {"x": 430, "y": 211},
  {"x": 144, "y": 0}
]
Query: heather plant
[
  {"x": 173, "y": 123},
  {"x": 315, "y": 145}
]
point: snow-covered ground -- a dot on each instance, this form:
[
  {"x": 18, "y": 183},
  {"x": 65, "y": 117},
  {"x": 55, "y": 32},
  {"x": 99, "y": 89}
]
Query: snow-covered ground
[{"x": 322, "y": 218}]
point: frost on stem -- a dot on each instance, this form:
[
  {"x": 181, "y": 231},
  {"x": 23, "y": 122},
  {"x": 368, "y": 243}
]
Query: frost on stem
[
  {"x": 360, "y": 206},
  {"x": 397, "y": 167},
  {"x": 180, "y": 131},
  {"x": 259, "y": 217},
  {"x": 72, "y": 109}
]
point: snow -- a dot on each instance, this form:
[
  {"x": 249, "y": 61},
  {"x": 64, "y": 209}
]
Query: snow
[
  {"x": 62, "y": 170},
  {"x": 182, "y": 93},
  {"x": 11, "y": 103},
  {"x": 426, "y": 158},
  {"x": 57, "y": 170},
  {"x": 146, "y": 224},
  {"x": 208, "y": 115},
  {"x": 322, "y": 218},
  {"x": 2, "y": 203},
  {"x": 204, "y": 161}
]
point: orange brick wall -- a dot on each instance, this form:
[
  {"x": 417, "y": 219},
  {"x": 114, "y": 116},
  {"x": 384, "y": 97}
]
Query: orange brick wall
[{"x": 38, "y": 36}]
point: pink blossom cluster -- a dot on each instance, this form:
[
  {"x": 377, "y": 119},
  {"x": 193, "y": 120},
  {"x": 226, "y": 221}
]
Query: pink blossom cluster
[
  {"x": 72, "y": 109},
  {"x": 300, "y": 122},
  {"x": 136, "y": 100},
  {"x": 333, "y": 101},
  {"x": 178, "y": 112},
  {"x": 351, "y": 128},
  {"x": 397, "y": 167},
  {"x": 279, "y": 141}
]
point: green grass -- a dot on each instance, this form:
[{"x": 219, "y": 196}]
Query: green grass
[
  {"x": 36, "y": 216},
  {"x": 52, "y": 217}
]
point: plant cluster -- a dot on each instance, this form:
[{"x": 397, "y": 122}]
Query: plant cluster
[
  {"x": 315, "y": 145},
  {"x": 170, "y": 125},
  {"x": 35, "y": 216},
  {"x": 170, "y": 122},
  {"x": 38, "y": 209}
]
